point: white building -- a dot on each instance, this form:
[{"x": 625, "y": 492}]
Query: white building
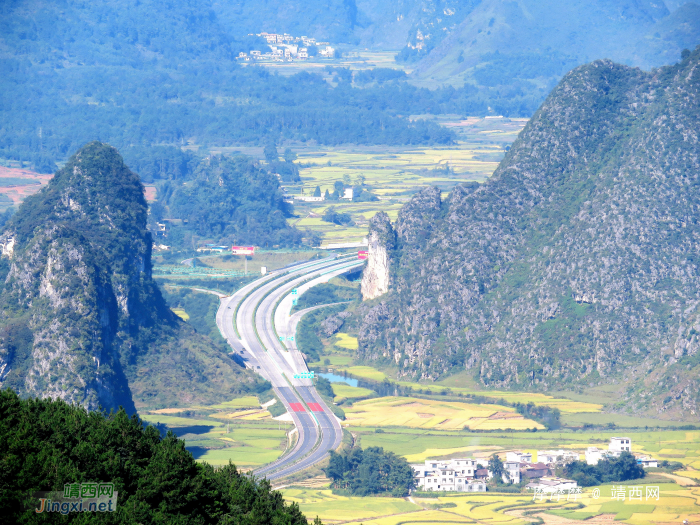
[
  {"x": 593, "y": 455},
  {"x": 512, "y": 472},
  {"x": 308, "y": 198},
  {"x": 347, "y": 194},
  {"x": 327, "y": 52},
  {"x": 647, "y": 461},
  {"x": 521, "y": 457},
  {"x": 456, "y": 475},
  {"x": 555, "y": 456},
  {"x": 620, "y": 444}
]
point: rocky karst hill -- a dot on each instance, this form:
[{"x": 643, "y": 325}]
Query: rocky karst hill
[
  {"x": 82, "y": 318},
  {"x": 577, "y": 263}
]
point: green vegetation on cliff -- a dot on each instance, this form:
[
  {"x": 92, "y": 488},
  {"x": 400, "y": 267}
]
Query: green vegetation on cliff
[
  {"x": 573, "y": 265},
  {"x": 81, "y": 317},
  {"x": 231, "y": 200}
]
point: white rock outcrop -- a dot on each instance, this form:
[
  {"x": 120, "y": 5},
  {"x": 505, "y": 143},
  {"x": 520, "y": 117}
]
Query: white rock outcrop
[{"x": 375, "y": 277}]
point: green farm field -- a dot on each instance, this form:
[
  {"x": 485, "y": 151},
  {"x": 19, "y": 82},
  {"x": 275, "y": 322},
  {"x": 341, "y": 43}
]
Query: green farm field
[
  {"x": 344, "y": 391},
  {"x": 355, "y": 60},
  {"x": 340, "y": 357},
  {"x": 238, "y": 431},
  {"x": 395, "y": 173}
]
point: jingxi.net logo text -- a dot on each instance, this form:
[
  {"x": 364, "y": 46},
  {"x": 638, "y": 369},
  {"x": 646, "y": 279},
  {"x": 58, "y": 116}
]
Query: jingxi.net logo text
[{"x": 78, "y": 497}]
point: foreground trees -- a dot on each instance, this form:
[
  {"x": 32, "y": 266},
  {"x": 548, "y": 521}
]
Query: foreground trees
[{"x": 46, "y": 444}]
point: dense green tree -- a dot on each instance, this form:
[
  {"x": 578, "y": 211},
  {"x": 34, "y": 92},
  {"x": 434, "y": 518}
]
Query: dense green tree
[
  {"x": 317, "y": 191},
  {"x": 234, "y": 201},
  {"x": 336, "y": 217},
  {"x": 618, "y": 469},
  {"x": 370, "y": 471},
  {"x": 496, "y": 468},
  {"x": 45, "y": 444},
  {"x": 271, "y": 154}
]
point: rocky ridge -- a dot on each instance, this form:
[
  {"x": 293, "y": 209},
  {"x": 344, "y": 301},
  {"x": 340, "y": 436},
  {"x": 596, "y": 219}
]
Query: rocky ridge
[
  {"x": 576, "y": 263},
  {"x": 82, "y": 319}
]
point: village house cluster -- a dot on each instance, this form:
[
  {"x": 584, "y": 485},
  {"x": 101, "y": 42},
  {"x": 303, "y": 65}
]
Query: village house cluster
[
  {"x": 456, "y": 475},
  {"x": 288, "y": 48},
  {"x": 464, "y": 475}
]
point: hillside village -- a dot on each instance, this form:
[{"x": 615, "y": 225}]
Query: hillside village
[{"x": 288, "y": 48}]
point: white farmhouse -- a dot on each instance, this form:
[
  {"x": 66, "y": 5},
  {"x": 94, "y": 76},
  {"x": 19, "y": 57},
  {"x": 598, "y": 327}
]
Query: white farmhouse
[
  {"x": 455, "y": 475},
  {"x": 327, "y": 52},
  {"x": 593, "y": 455},
  {"x": 512, "y": 472},
  {"x": 647, "y": 461},
  {"x": 620, "y": 444}
]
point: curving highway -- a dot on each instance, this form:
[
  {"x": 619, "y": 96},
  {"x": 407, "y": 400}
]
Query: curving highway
[{"x": 253, "y": 320}]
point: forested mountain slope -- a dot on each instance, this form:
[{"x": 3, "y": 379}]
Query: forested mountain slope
[
  {"x": 81, "y": 318},
  {"x": 576, "y": 263},
  {"x": 230, "y": 200},
  {"x": 496, "y": 42},
  {"x": 140, "y": 73}
]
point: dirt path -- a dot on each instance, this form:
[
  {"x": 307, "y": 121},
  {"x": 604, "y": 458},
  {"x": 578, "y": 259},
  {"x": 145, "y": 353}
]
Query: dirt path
[
  {"x": 550, "y": 519},
  {"x": 681, "y": 480}
]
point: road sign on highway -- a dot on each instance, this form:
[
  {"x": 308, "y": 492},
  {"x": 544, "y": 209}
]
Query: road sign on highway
[
  {"x": 242, "y": 250},
  {"x": 295, "y": 291},
  {"x": 304, "y": 375},
  {"x": 290, "y": 338},
  {"x": 362, "y": 254},
  {"x": 295, "y": 301},
  {"x": 281, "y": 338}
]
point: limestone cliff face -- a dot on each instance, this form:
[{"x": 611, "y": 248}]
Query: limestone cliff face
[
  {"x": 82, "y": 319},
  {"x": 576, "y": 264},
  {"x": 375, "y": 277}
]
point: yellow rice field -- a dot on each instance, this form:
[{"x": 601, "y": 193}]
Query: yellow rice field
[{"x": 443, "y": 415}]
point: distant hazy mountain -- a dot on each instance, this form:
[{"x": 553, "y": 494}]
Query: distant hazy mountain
[
  {"x": 577, "y": 264},
  {"x": 498, "y": 41},
  {"x": 81, "y": 318}
]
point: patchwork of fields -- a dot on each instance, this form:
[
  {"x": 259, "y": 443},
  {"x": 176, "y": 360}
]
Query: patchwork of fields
[
  {"x": 239, "y": 431},
  {"x": 673, "y": 505},
  {"x": 395, "y": 173}
]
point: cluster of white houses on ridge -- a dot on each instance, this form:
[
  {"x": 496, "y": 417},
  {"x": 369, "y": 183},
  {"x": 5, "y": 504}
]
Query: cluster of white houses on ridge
[{"x": 288, "y": 48}]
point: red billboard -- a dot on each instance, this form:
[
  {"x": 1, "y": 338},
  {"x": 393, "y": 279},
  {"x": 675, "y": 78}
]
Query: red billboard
[
  {"x": 362, "y": 254},
  {"x": 243, "y": 250}
]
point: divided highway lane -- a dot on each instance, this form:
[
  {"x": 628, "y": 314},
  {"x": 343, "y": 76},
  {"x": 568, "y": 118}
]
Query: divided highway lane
[
  {"x": 246, "y": 345},
  {"x": 259, "y": 305},
  {"x": 291, "y": 364}
]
